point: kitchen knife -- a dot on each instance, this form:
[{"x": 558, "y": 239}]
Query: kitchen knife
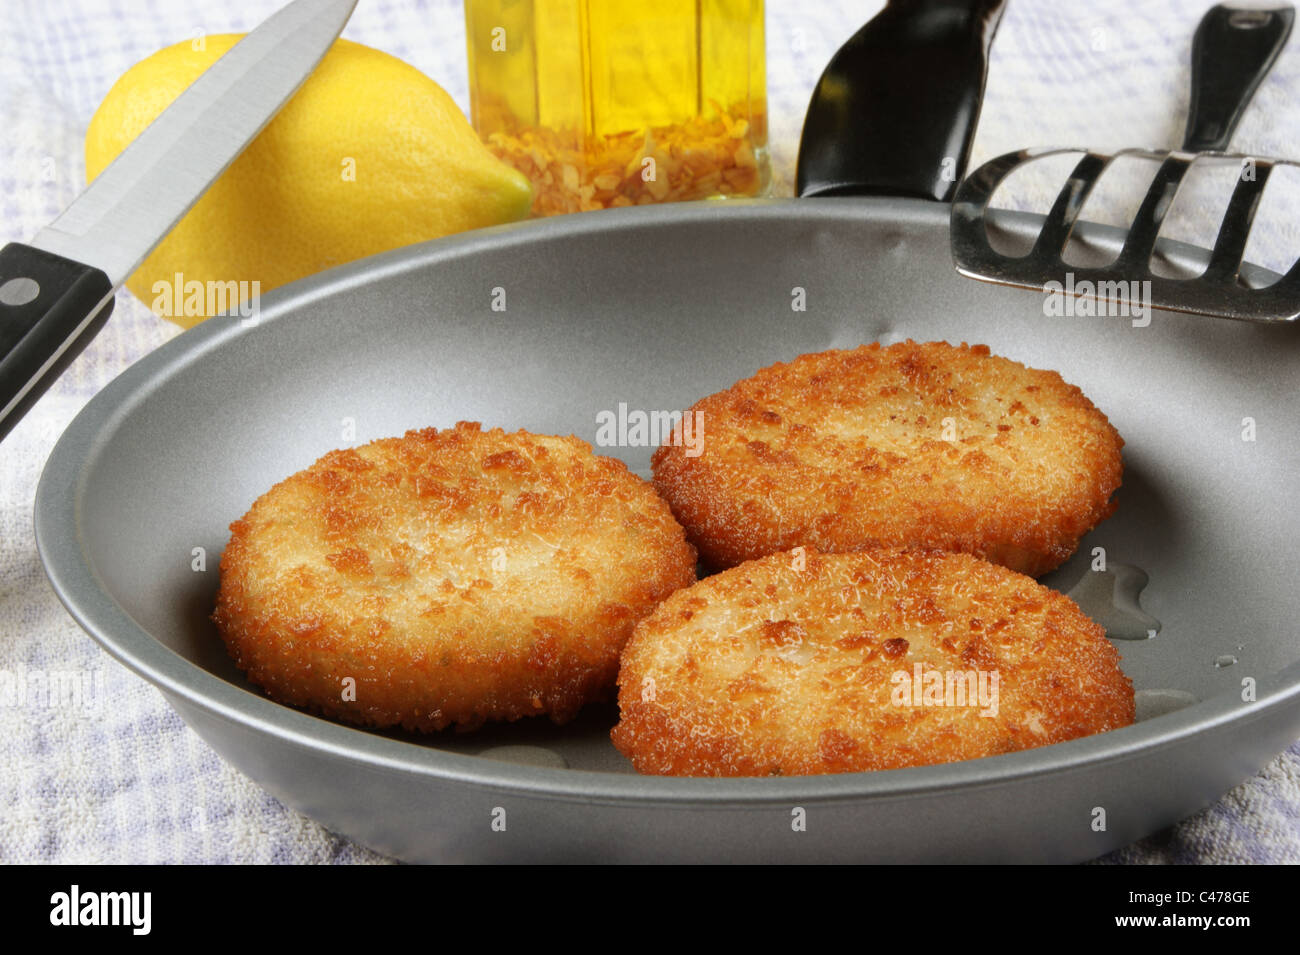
[{"x": 57, "y": 292}]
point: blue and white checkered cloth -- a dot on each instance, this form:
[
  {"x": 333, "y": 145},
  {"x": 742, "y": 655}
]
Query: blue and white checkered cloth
[{"x": 117, "y": 777}]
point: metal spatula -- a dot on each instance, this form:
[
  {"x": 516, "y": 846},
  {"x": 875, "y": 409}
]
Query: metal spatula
[{"x": 1233, "y": 50}]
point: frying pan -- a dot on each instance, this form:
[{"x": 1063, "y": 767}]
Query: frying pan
[{"x": 655, "y": 307}]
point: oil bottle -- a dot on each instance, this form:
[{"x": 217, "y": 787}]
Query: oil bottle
[{"x": 607, "y": 103}]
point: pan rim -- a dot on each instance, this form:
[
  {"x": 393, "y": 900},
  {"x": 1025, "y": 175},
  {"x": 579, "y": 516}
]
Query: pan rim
[{"x": 57, "y": 519}]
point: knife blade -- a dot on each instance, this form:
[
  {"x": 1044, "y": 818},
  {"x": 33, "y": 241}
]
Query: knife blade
[{"x": 57, "y": 293}]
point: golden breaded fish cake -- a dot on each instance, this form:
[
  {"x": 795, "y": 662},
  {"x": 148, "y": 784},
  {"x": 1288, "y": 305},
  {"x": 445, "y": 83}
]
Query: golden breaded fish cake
[
  {"x": 447, "y": 577},
  {"x": 800, "y": 663},
  {"x": 913, "y": 445}
]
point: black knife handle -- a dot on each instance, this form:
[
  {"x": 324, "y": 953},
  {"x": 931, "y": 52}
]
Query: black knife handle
[
  {"x": 1233, "y": 50},
  {"x": 895, "y": 111},
  {"x": 50, "y": 307}
]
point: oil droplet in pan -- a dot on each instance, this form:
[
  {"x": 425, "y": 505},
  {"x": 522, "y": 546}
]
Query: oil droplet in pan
[{"x": 1111, "y": 596}]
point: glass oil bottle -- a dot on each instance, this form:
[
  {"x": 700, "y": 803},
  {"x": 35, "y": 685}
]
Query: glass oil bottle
[{"x": 607, "y": 103}]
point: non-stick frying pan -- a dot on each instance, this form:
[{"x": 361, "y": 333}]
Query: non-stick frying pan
[{"x": 656, "y": 307}]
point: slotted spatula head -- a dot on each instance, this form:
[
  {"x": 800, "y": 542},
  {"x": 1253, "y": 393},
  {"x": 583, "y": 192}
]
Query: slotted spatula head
[{"x": 1233, "y": 50}]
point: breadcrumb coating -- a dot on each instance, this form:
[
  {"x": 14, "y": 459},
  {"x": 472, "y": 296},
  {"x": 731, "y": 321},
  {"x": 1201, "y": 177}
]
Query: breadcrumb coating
[
  {"x": 925, "y": 445},
  {"x": 447, "y": 577},
  {"x": 801, "y": 663}
]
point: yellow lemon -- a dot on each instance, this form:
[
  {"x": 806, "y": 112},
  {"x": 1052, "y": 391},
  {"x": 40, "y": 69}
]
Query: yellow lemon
[{"x": 369, "y": 155}]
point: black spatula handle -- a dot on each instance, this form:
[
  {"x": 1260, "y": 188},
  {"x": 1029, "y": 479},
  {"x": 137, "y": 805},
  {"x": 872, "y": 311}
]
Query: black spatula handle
[
  {"x": 50, "y": 307},
  {"x": 1233, "y": 50},
  {"x": 895, "y": 111}
]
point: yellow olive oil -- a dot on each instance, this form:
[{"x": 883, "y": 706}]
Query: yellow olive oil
[{"x": 606, "y": 103}]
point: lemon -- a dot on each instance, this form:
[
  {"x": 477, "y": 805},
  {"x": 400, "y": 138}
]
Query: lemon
[{"x": 369, "y": 155}]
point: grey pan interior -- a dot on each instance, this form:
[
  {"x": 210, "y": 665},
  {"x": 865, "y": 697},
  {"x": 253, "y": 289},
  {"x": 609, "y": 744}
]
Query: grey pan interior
[{"x": 656, "y": 307}]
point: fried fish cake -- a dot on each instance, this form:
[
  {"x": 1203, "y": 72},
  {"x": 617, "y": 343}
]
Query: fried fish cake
[
  {"x": 801, "y": 663},
  {"x": 447, "y": 577},
  {"x": 926, "y": 445}
]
